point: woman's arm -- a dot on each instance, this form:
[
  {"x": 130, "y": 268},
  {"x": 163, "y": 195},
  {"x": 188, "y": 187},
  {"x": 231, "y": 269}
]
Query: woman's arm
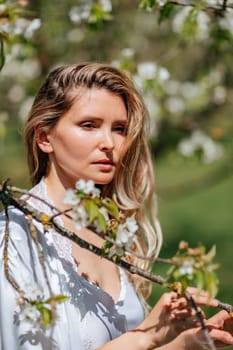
[
  {"x": 191, "y": 339},
  {"x": 167, "y": 328}
]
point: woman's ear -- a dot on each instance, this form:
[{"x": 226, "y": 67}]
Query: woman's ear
[{"x": 42, "y": 139}]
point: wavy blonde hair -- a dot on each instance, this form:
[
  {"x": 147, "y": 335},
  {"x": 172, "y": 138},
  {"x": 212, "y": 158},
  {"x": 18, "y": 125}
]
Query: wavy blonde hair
[{"x": 133, "y": 184}]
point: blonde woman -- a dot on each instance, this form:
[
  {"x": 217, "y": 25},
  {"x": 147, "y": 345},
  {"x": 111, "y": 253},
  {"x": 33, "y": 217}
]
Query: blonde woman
[{"x": 89, "y": 122}]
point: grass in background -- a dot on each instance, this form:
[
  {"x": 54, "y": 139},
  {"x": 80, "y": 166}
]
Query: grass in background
[{"x": 197, "y": 215}]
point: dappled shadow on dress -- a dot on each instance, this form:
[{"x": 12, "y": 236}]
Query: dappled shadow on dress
[
  {"x": 84, "y": 298},
  {"x": 89, "y": 298}
]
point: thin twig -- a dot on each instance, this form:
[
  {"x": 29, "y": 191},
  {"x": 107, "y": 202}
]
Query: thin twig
[
  {"x": 224, "y": 306},
  {"x": 207, "y": 7},
  {"x": 209, "y": 341},
  {"x": 10, "y": 279}
]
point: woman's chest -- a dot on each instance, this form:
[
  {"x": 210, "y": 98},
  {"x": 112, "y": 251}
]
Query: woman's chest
[{"x": 98, "y": 271}]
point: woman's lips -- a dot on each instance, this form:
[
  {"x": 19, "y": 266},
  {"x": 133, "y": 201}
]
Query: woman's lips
[
  {"x": 105, "y": 164},
  {"x": 104, "y": 161}
]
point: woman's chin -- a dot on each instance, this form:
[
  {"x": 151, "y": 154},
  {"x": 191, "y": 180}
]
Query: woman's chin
[{"x": 103, "y": 180}]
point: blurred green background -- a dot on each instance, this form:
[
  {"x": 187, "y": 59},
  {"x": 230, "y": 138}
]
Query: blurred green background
[{"x": 182, "y": 66}]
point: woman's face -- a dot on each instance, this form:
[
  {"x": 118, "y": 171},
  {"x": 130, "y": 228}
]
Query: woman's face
[{"x": 86, "y": 143}]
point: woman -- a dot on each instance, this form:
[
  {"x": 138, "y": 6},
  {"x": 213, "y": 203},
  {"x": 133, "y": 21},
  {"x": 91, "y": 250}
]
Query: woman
[{"x": 89, "y": 122}]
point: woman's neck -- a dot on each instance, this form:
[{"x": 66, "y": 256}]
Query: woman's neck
[{"x": 56, "y": 190}]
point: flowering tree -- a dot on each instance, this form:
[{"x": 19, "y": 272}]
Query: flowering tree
[{"x": 184, "y": 101}]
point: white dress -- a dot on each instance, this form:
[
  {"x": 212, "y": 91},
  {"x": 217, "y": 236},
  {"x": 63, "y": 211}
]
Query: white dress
[{"x": 86, "y": 320}]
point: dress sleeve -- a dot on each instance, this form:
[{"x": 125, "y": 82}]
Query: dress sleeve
[{"x": 16, "y": 331}]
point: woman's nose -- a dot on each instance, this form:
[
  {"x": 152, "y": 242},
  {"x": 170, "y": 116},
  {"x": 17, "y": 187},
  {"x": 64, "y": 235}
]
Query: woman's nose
[{"x": 107, "y": 143}]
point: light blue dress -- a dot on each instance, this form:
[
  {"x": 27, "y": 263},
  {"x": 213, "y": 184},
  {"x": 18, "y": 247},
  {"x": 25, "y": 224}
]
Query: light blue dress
[{"x": 86, "y": 320}]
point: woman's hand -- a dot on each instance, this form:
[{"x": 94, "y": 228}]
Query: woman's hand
[
  {"x": 172, "y": 315},
  {"x": 145, "y": 337},
  {"x": 171, "y": 326},
  {"x": 222, "y": 321}
]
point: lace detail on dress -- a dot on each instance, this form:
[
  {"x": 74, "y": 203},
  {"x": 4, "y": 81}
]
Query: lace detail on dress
[{"x": 62, "y": 244}]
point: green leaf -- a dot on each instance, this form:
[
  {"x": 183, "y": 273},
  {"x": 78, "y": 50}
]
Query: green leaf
[
  {"x": 211, "y": 254},
  {"x": 92, "y": 209},
  {"x": 165, "y": 12},
  {"x": 211, "y": 283},
  {"x": 98, "y": 16},
  {"x": 111, "y": 207},
  {"x": 46, "y": 315},
  {"x": 60, "y": 298},
  {"x": 184, "y": 283},
  {"x": 199, "y": 280},
  {"x": 221, "y": 36},
  {"x": 190, "y": 25},
  {"x": 101, "y": 222},
  {"x": 147, "y": 5}
]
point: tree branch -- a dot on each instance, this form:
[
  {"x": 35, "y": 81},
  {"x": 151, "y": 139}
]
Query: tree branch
[
  {"x": 7, "y": 199},
  {"x": 207, "y": 7}
]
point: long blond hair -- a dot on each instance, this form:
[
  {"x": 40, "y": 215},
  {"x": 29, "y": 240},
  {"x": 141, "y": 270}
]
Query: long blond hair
[{"x": 133, "y": 183}]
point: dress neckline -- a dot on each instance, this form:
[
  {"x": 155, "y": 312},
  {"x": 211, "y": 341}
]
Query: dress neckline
[{"x": 62, "y": 244}]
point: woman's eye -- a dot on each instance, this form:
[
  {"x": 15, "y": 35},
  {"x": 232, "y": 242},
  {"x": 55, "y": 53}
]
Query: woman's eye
[
  {"x": 88, "y": 125},
  {"x": 121, "y": 129}
]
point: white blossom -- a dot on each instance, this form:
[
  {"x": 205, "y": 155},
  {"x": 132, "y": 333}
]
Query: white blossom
[
  {"x": 213, "y": 2},
  {"x": 126, "y": 233},
  {"x": 115, "y": 250},
  {"x": 16, "y": 93},
  {"x": 71, "y": 197},
  {"x": 122, "y": 235},
  {"x": 128, "y": 52},
  {"x": 88, "y": 187},
  {"x": 186, "y": 268},
  {"x": 34, "y": 25},
  {"x": 2, "y": 8},
  {"x": 30, "y": 314},
  {"x": 131, "y": 225},
  {"x": 179, "y": 18},
  {"x": 212, "y": 151},
  {"x": 33, "y": 291},
  {"x": 81, "y": 12},
  {"x": 220, "y": 95},
  {"x": 189, "y": 89},
  {"x": 106, "y": 5},
  {"x": 163, "y": 74},
  {"x": 175, "y": 105},
  {"x": 203, "y": 21},
  {"x": 200, "y": 141},
  {"x": 20, "y": 26},
  {"x": 185, "y": 147},
  {"x": 80, "y": 217},
  {"x": 80, "y": 185},
  {"x": 161, "y": 2},
  {"x": 147, "y": 70}
]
